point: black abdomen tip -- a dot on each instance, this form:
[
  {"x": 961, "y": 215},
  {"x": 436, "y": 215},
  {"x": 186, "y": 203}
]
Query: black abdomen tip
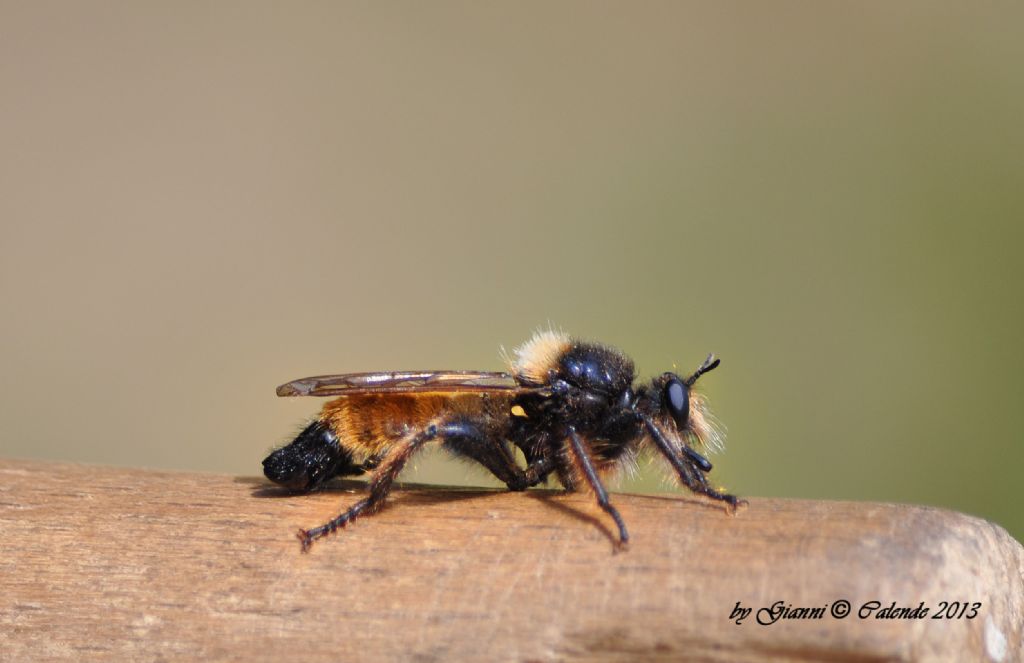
[{"x": 314, "y": 457}]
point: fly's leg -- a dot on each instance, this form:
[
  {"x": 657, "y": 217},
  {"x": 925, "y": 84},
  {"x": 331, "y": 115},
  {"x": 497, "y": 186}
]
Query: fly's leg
[
  {"x": 464, "y": 437},
  {"x": 380, "y": 485},
  {"x": 586, "y": 466},
  {"x": 471, "y": 439},
  {"x": 690, "y": 469},
  {"x": 474, "y": 439}
]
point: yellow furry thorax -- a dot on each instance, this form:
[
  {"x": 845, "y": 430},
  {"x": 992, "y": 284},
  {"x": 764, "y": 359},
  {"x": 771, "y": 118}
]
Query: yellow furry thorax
[{"x": 536, "y": 357}]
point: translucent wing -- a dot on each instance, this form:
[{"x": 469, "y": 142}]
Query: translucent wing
[{"x": 355, "y": 384}]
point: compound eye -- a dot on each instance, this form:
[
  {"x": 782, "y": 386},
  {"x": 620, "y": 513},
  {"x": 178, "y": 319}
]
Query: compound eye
[{"x": 677, "y": 399}]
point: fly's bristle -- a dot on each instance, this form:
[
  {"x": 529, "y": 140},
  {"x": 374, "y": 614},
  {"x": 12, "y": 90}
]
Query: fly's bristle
[
  {"x": 704, "y": 427},
  {"x": 625, "y": 468}
]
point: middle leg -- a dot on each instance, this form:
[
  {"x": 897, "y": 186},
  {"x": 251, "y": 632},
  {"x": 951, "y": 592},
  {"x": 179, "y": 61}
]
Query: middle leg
[{"x": 579, "y": 451}]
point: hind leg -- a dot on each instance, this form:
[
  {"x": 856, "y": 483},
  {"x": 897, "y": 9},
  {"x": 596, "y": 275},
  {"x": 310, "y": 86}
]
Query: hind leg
[
  {"x": 463, "y": 437},
  {"x": 470, "y": 438},
  {"x": 380, "y": 485}
]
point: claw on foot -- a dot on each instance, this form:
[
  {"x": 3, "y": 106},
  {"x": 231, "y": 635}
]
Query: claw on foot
[
  {"x": 305, "y": 538},
  {"x": 735, "y": 504}
]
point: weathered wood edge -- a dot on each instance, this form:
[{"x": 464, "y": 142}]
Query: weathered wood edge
[{"x": 109, "y": 562}]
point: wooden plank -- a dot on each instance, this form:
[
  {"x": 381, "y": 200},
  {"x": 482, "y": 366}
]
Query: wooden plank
[{"x": 114, "y": 564}]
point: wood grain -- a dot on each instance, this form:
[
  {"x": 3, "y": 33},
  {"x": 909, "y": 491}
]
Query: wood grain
[{"x": 115, "y": 564}]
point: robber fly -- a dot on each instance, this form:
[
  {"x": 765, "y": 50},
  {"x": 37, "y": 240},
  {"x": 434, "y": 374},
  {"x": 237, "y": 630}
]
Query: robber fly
[{"x": 570, "y": 406}]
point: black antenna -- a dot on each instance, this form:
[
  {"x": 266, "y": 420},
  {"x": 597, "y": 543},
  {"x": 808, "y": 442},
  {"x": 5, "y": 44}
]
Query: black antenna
[{"x": 709, "y": 364}]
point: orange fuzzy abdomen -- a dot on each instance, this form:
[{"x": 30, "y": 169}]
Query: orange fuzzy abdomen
[{"x": 370, "y": 423}]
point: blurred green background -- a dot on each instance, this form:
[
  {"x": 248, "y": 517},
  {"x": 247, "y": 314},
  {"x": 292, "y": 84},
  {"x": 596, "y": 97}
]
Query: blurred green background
[{"x": 203, "y": 200}]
